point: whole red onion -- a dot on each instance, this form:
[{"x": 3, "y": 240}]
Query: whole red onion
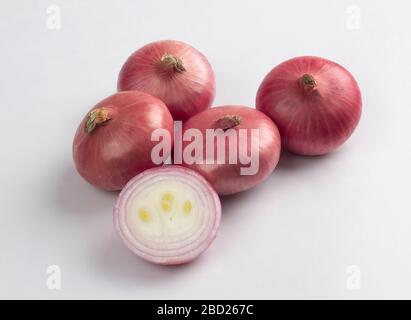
[
  {"x": 113, "y": 143},
  {"x": 316, "y": 104},
  {"x": 173, "y": 71},
  {"x": 254, "y": 135},
  {"x": 168, "y": 215}
]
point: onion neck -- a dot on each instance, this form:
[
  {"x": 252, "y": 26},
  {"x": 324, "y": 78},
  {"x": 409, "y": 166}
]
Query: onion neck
[
  {"x": 169, "y": 62},
  {"x": 228, "y": 122},
  {"x": 97, "y": 117},
  {"x": 308, "y": 83}
]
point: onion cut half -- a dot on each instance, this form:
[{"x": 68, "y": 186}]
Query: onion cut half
[{"x": 168, "y": 215}]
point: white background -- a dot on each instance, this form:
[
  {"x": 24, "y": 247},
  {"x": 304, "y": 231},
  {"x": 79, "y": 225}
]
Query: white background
[{"x": 294, "y": 236}]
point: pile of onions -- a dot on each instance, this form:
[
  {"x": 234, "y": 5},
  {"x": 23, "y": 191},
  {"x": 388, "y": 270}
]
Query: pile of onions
[
  {"x": 113, "y": 142},
  {"x": 173, "y": 71},
  {"x": 315, "y": 103},
  {"x": 226, "y": 177},
  {"x": 168, "y": 215}
]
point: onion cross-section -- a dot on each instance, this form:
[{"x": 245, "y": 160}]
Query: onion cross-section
[{"x": 168, "y": 215}]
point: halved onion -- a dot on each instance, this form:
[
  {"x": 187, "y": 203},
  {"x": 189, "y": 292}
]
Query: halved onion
[{"x": 168, "y": 215}]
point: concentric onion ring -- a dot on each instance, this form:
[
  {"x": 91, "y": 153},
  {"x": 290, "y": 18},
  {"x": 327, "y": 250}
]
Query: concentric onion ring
[{"x": 168, "y": 215}]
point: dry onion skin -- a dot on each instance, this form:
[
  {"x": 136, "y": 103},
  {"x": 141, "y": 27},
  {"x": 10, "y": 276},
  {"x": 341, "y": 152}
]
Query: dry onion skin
[
  {"x": 316, "y": 104},
  {"x": 226, "y": 177},
  {"x": 113, "y": 142},
  {"x": 168, "y": 215},
  {"x": 173, "y": 71}
]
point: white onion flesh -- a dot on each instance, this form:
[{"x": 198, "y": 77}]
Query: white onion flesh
[{"x": 168, "y": 215}]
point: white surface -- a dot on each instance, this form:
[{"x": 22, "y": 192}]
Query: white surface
[{"x": 292, "y": 237}]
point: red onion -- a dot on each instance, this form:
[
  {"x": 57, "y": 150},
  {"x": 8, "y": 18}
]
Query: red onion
[
  {"x": 256, "y": 140},
  {"x": 168, "y": 215},
  {"x": 175, "y": 72},
  {"x": 113, "y": 142},
  {"x": 315, "y": 103}
]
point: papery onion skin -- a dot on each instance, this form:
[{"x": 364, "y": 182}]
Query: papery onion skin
[
  {"x": 173, "y": 71},
  {"x": 167, "y": 256},
  {"x": 316, "y": 104},
  {"x": 109, "y": 154},
  {"x": 226, "y": 178}
]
